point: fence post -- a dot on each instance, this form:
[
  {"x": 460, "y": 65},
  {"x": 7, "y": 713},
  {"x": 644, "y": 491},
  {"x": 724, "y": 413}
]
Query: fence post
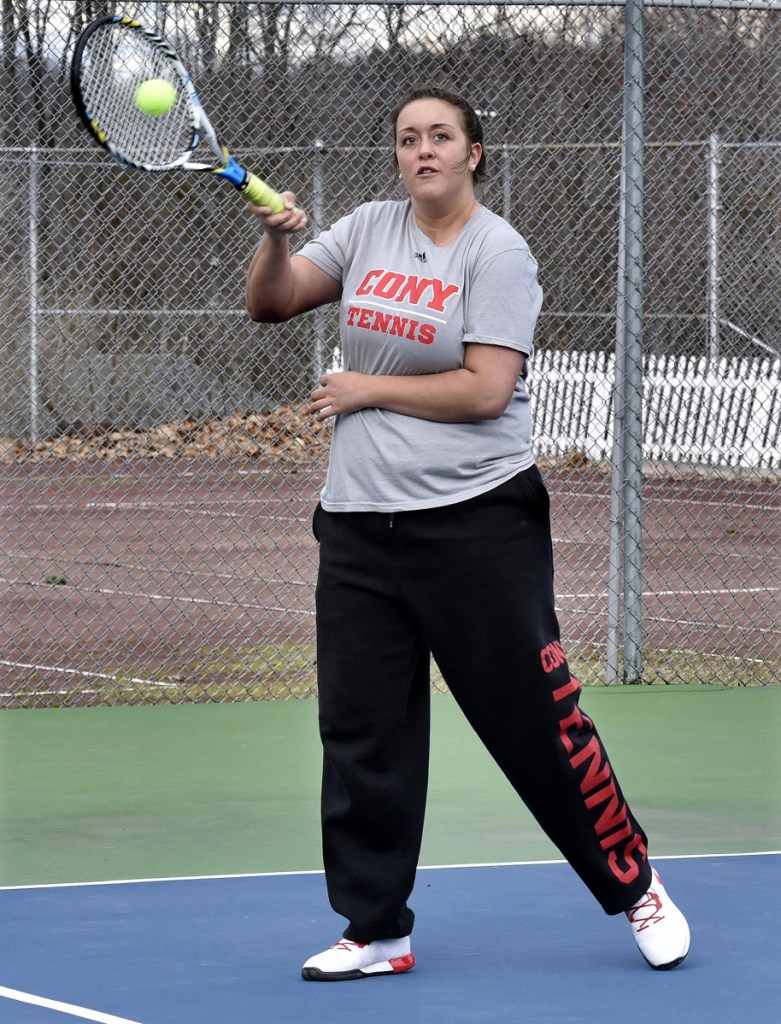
[
  {"x": 615, "y": 551},
  {"x": 318, "y": 315},
  {"x": 632, "y": 444},
  {"x": 507, "y": 182},
  {"x": 34, "y": 384},
  {"x": 714, "y": 211}
]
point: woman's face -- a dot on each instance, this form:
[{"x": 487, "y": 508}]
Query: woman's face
[{"x": 434, "y": 155}]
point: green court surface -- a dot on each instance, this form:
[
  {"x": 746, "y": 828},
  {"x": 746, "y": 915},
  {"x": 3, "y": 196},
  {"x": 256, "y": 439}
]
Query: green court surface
[{"x": 152, "y": 792}]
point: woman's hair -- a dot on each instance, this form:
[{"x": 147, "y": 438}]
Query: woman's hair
[{"x": 471, "y": 123}]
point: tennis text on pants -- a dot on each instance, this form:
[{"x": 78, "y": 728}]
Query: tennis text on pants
[{"x": 612, "y": 826}]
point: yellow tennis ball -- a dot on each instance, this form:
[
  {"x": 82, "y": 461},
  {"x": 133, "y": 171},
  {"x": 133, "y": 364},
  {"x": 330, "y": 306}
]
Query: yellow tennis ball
[{"x": 155, "y": 96}]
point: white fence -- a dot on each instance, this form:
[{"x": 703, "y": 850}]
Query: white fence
[{"x": 725, "y": 413}]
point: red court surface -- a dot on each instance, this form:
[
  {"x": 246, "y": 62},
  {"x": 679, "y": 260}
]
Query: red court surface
[{"x": 156, "y": 562}]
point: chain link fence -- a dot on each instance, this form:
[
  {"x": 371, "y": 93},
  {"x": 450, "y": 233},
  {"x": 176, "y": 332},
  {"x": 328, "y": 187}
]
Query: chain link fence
[{"x": 158, "y": 467}]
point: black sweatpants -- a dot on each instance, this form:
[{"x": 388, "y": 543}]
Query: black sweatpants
[{"x": 471, "y": 584}]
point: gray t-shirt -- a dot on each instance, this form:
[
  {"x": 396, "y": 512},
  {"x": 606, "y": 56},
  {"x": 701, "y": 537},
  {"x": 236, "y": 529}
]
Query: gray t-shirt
[{"x": 410, "y": 307}]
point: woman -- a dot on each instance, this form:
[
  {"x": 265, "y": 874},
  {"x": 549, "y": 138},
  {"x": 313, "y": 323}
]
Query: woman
[{"x": 435, "y": 540}]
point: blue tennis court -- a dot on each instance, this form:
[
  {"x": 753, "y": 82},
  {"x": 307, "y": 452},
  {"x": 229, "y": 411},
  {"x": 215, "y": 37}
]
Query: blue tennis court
[
  {"x": 495, "y": 943},
  {"x": 214, "y": 809}
]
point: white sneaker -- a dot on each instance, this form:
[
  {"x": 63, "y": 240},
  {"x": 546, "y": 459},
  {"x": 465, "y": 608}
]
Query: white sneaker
[
  {"x": 346, "y": 960},
  {"x": 660, "y": 929}
]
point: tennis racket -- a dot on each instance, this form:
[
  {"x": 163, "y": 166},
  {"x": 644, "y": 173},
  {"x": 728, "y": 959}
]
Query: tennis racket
[{"x": 113, "y": 57}]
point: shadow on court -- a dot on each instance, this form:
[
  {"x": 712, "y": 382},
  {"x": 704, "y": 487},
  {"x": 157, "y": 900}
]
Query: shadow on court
[{"x": 494, "y": 944}]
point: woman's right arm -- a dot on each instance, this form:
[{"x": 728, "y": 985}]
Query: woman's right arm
[{"x": 280, "y": 286}]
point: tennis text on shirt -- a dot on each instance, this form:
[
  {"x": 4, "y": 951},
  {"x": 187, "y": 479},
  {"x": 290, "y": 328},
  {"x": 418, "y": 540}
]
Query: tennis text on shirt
[
  {"x": 411, "y": 307},
  {"x": 389, "y": 286}
]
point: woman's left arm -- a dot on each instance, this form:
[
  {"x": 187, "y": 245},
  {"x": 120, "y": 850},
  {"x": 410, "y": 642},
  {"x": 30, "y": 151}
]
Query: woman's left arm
[{"x": 480, "y": 390}]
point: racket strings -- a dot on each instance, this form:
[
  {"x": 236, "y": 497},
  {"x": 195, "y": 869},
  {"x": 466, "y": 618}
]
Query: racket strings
[{"x": 115, "y": 62}]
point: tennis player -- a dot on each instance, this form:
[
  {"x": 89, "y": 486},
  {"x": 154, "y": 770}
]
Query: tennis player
[{"x": 435, "y": 540}]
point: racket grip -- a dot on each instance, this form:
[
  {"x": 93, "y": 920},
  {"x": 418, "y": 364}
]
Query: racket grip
[{"x": 261, "y": 194}]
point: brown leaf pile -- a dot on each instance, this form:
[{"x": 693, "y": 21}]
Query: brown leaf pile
[{"x": 286, "y": 432}]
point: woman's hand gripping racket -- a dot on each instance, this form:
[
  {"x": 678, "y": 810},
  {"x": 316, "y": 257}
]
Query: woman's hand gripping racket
[{"x": 138, "y": 101}]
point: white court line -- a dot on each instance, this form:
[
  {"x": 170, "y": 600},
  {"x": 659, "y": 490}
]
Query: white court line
[
  {"x": 55, "y": 1004},
  {"x": 734, "y": 502},
  {"x": 319, "y": 871},
  {"x": 590, "y": 595},
  {"x": 86, "y": 673},
  {"x": 175, "y": 572},
  {"x": 726, "y": 626},
  {"x": 685, "y": 592},
  {"x": 174, "y": 598}
]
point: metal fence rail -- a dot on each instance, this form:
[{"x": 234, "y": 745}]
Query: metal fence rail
[{"x": 157, "y": 470}]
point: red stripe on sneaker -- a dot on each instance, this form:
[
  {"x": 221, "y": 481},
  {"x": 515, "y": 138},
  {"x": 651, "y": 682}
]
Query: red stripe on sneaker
[{"x": 402, "y": 963}]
